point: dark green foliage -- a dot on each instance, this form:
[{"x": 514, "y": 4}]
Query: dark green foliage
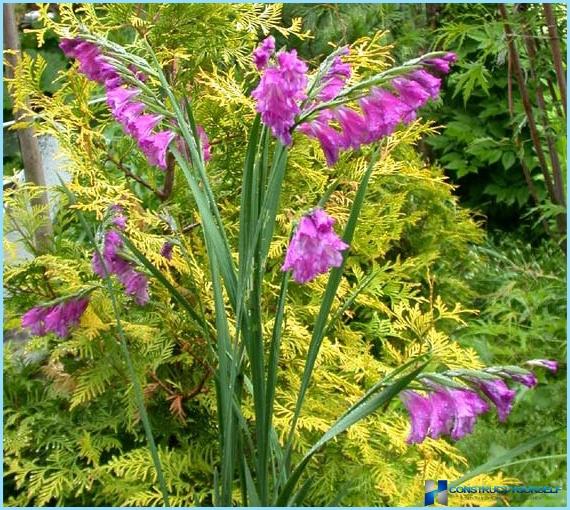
[{"x": 484, "y": 137}]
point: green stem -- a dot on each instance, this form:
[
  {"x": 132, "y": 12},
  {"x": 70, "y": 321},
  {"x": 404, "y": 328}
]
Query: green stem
[{"x": 139, "y": 398}]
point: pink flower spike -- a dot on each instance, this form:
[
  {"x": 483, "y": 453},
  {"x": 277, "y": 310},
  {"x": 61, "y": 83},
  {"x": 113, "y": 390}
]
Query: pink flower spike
[
  {"x": 34, "y": 320},
  {"x": 335, "y": 79},
  {"x": 442, "y": 64},
  {"x": 128, "y": 113},
  {"x": 166, "y": 250},
  {"x": 500, "y": 394},
  {"x": 420, "y": 415},
  {"x": 430, "y": 83},
  {"x": 383, "y": 111},
  {"x": 314, "y": 248},
  {"x": 330, "y": 139},
  {"x": 411, "y": 92},
  {"x": 155, "y": 147},
  {"x": 69, "y": 47},
  {"x": 279, "y": 93},
  {"x": 354, "y": 128}
]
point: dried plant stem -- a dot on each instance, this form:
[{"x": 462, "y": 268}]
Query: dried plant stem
[
  {"x": 552, "y": 152},
  {"x": 556, "y": 53},
  {"x": 516, "y": 66},
  {"x": 33, "y": 170}
]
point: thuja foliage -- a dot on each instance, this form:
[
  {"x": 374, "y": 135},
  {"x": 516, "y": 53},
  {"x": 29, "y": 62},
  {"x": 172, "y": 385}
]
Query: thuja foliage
[{"x": 72, "y": 424}]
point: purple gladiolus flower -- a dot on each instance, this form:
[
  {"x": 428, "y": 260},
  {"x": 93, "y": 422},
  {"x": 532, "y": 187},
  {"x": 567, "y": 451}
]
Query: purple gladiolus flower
[
  {"x": 119, "y": 221},
  {"x": 442, "y": 413},
  {"x": 442, "y": 64},
  {"x": 91, "y": 62},
  {"x": 69, "y": 47},
  {"x": 420, "y": 415},
  {"x": 205, "y": 143},
  {"x": 140, "y": 127},
  {"x": 113, "y": 243},
  {"x": 128, "y": 113},
  {"x": 335, "y": 79},
  {"x": 330, "y": 139},
  {"x": 383, "y": 111},
  {"x": 411, "y": 92},
  {"x": 263, "y": 52},
  {"x": 453, "y": 412},
  {"x": 314, "y": 248},
  {"x": 56, "y": 319},
  {"x": 354, "y": 129},
  {"x": 544, "y": 363},
  {"x": 468, "y": 405},
  {"x": 135, "y": 283},
  {"x": 34, "y": 320},
  {"x": 279, "y": 92},
  {"x": 166, "y": 250},
  {"x": 139, "y": 75},
  {"x": 430, "y": 83},
  {"x": 119, "y": 97},
  {"x": 529, "y": 380},
  {"x": 500, "y": 394},
  {"x": 155, "y": 146}
]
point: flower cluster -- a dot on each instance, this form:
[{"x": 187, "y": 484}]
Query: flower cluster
[
  {"x": 122, "y": 101},
  {"x": 314, "y": 248},
  {"x": 58, "y": 319},
  {"x": 380, "y": 112},
  {"x": 111, "y": 262},
  {"x": 454, "y": 411},
  {"x": 282, "y": 88}
]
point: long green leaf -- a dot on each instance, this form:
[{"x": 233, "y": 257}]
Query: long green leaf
[
  {"x": 227, "y": 380},
  {"x": 328, "y": 298},
  {"x": 210, "y": 228},
  {"x": 363, "y": 408},
  {"x": 496, "y": 463}
]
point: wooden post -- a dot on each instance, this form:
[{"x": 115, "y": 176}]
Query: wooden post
[{"x": 31, "y": 156}]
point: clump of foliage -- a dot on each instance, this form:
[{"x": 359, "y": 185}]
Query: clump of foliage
[
  {"x": 74, "y": 395},
  {"x": 521, "y": 295}
]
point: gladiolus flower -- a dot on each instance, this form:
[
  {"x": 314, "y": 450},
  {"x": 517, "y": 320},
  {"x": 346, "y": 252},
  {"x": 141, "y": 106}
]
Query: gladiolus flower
[
  {"x": 544, "y": 363},
  {"x": 166, "y": 250},
  {"x": 335, "y": 79},
  {"x": 155, "y": 147},
  {"x": 420, "y": 415},
  {"x": 279, "y": 93},
  {"x": 500, "y": 394},
  {"x": 56, "y": 319},
  {"x": 263, "y": 52},
  {"x": 314, "y": 248}
]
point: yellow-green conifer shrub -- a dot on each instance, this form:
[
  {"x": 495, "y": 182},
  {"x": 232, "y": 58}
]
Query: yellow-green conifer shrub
[{"x": 72, "y": 433}]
